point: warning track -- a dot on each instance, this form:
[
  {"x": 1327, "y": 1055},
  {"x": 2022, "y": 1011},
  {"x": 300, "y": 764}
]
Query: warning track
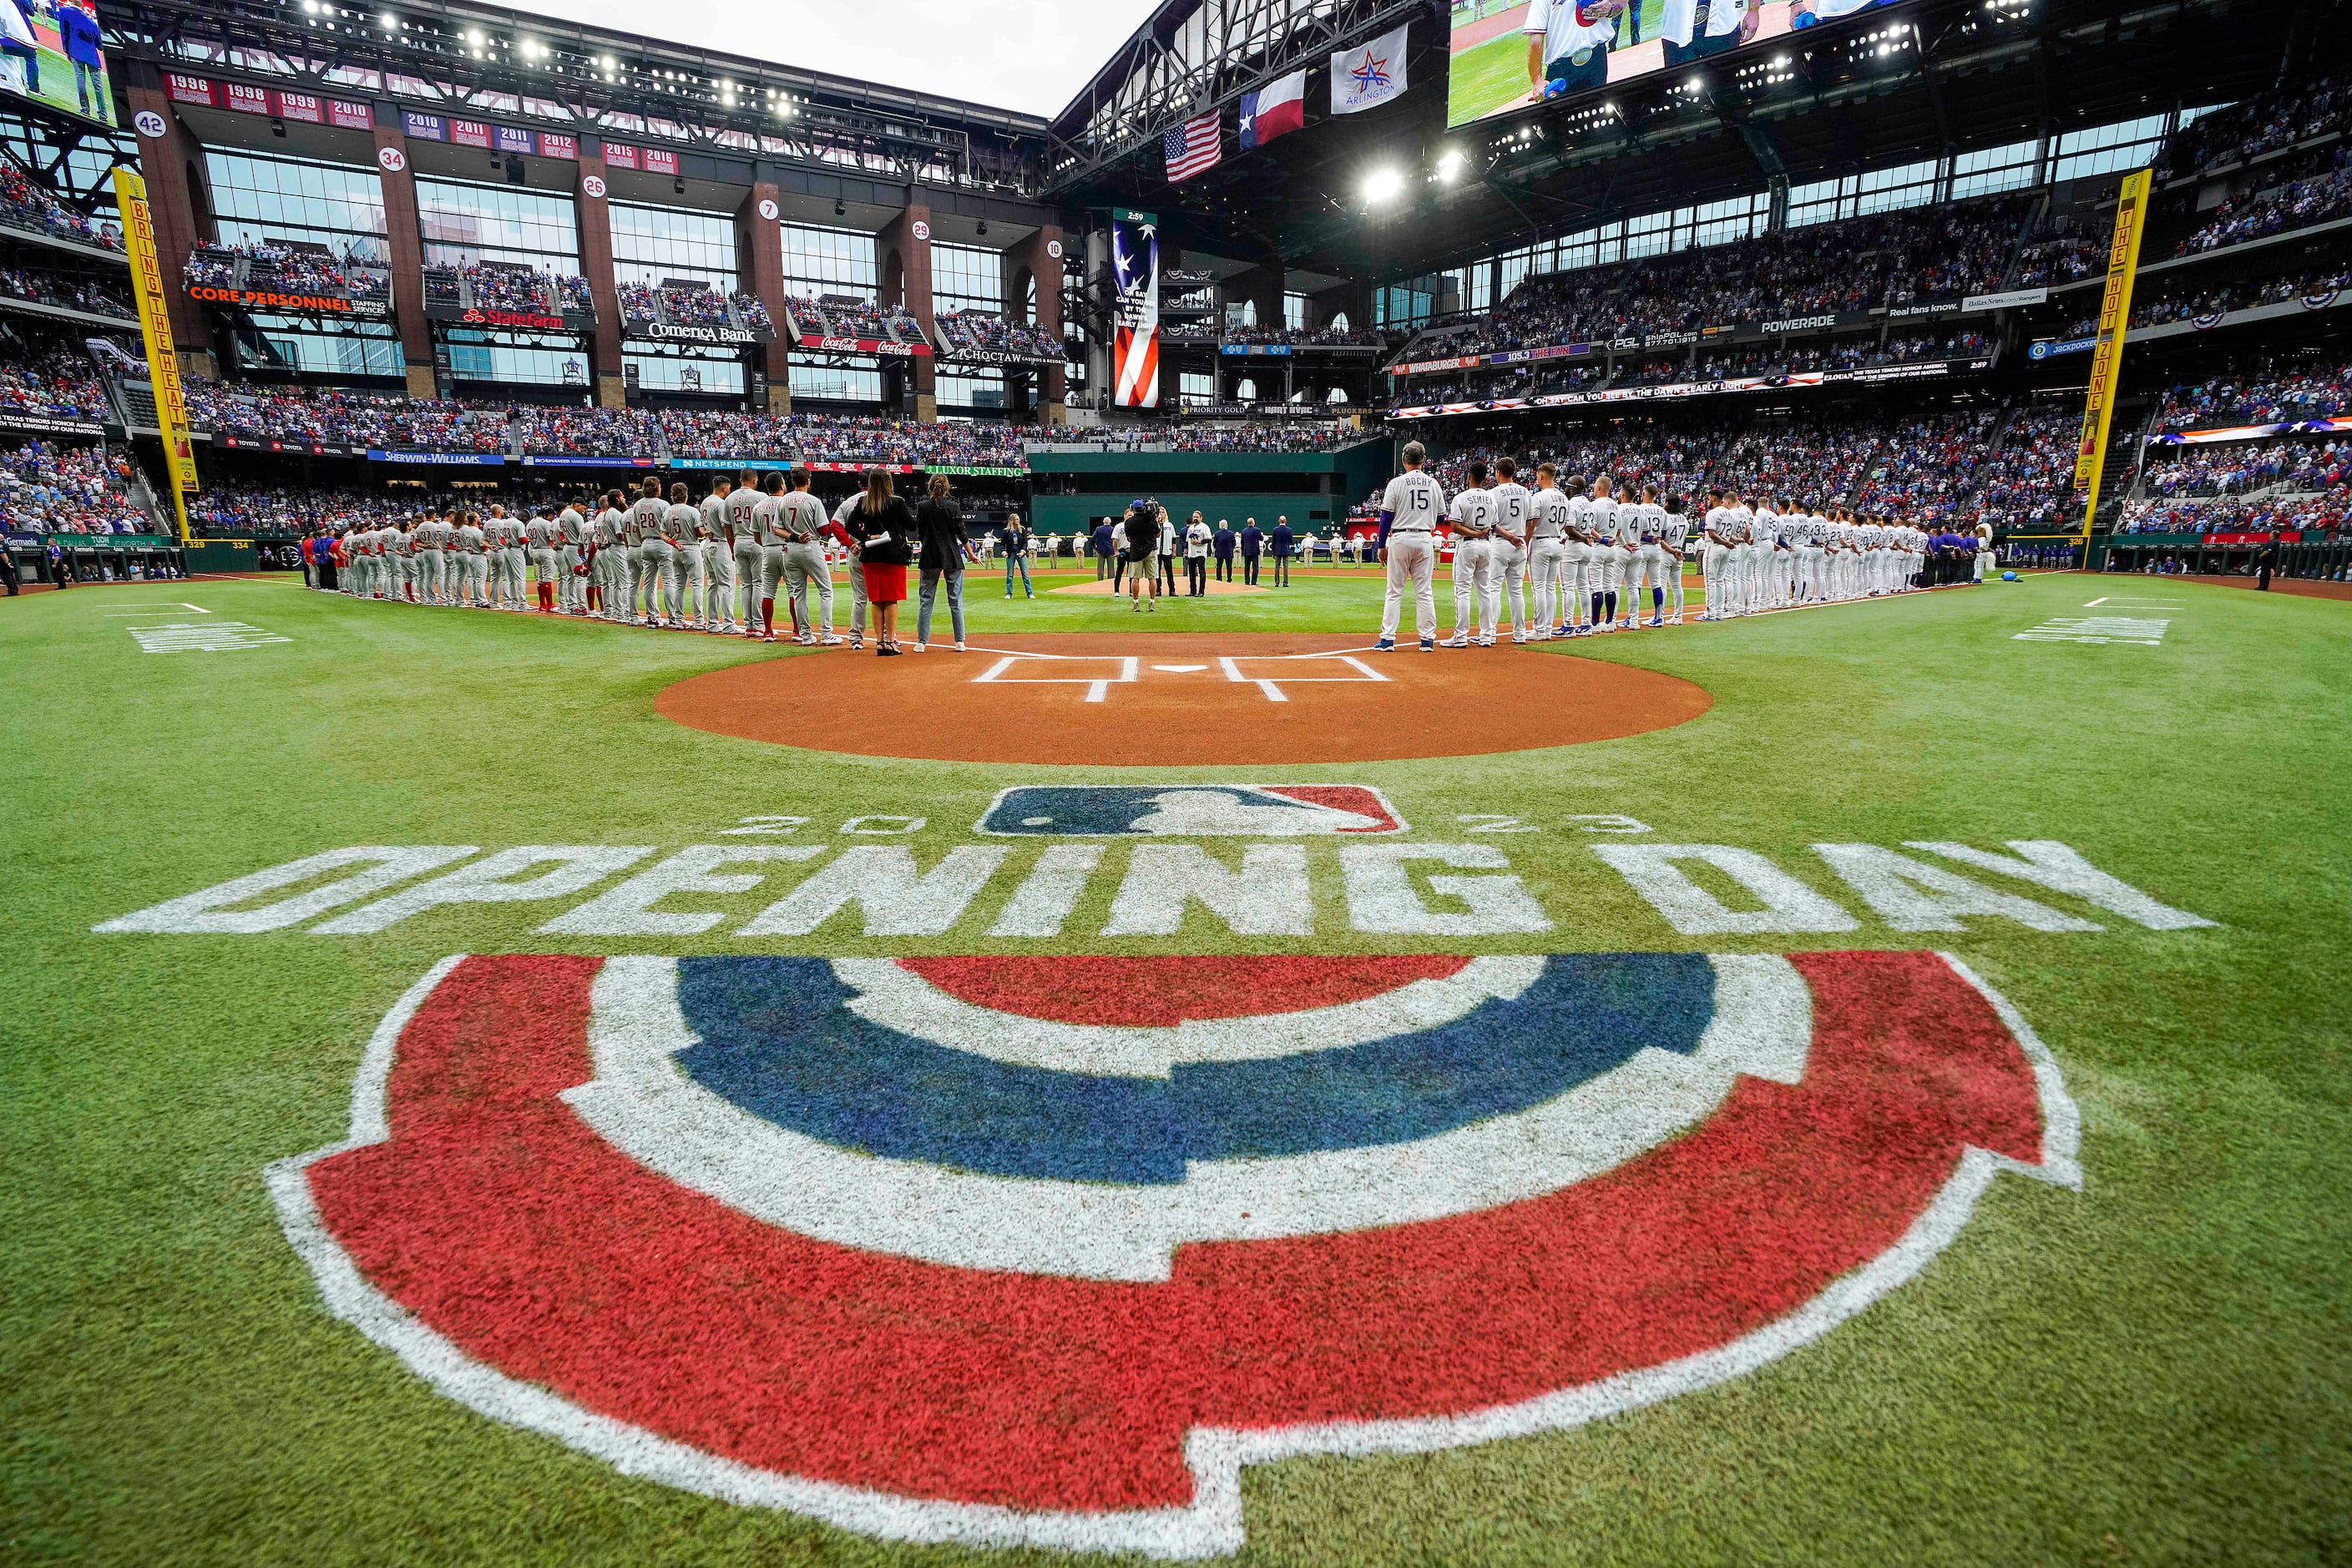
[{"x": 1178, "y": 699}]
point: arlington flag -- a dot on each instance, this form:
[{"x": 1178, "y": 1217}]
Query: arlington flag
[{"x": 1368, "y": 74}]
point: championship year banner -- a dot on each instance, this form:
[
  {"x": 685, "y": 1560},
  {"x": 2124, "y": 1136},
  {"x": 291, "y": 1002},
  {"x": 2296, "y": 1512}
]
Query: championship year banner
[
  {"x": 155, "y": 330},
  {"x": 2107, "y": 352}
]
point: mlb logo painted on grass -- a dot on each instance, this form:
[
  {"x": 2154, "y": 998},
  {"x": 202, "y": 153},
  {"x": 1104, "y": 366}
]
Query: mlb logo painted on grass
[
  {"x": 1191, "y": 811},
  {"x": 952, "y": 1250}
]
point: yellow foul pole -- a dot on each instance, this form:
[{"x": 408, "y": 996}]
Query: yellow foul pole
[
  {"x": 155, "y": 327},
  {"x": 2107, "y": 354}
]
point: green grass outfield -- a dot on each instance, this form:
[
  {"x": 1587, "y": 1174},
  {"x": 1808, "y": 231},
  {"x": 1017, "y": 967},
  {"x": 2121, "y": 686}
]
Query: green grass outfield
[{"x": 2157, "y": 1368}]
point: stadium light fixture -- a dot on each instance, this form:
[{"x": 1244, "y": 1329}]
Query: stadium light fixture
[
  {"x": 1449, "y": 165},
  {"x": 1382, "y": 186},
  {"x": 386, "y": 22}
]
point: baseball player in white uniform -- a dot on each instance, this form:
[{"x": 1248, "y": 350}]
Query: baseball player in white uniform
[
  {"x": 1605, "y": 568},
  {"x": 1576, "y": 560},
  {"x": 572, "y": 533},
  {"x": 1506, "y": 553},
  {"x": 1473, "y": 516},
  {"x": 1674, "y": 537},
  {"x": 1718, "y": 529},
  {"x": 1649, "y": 561},
  {"x": 1409, "y": 508},
  {"x": 1547, "y": 549}
]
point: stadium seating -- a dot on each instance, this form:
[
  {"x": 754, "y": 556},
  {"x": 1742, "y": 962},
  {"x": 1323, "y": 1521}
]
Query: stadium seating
[
  {"x": 2320, "y": 197},
  {"x": 2258, "y": 393},
  {"x": 24, "y": 205},
  {"x": 1885, "y": 260},
  {"x": 2265, "y": 123},
  {"x": 48, "y": 489},
  {"x": 978, "y": 331},
  {"x": 96, "y": 298},
  {"x": 60, "y": 386},
  {"x": 586, "y": 432}
]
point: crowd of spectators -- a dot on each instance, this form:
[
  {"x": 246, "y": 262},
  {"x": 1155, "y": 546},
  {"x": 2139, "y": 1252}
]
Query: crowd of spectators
[
  {"x": 586, "y": 432},
  {"x": 1302, "y": 337},
  {"x": 87, "y": 295},
  {"x": 1930, "y": 470},
  {"x": 2326, "y": 512},
  {"x": 1730, "y": 362},
  {"x": 2265, "y": 393},
  {"x": 26, "y": 205},
  {"x": 1235, "y": 436},
  {"x": 354, "y": 418},
  {"x": 522, "y": 292},
  {"x": 2171, "y": 299},
  {"x": 48, "y": 489},
  {"x": 977, "y": 332},
  {"x": 2030, "y": 482},
  {"x": 2298, "y": 204},
  {"x": 2297, "y": 466},
  {"x": 1858, "y": 264},
  {"x": 2265, "y": 123},
  {"x": 284, "y": 269},
  {"x": 58, "y": 386},
  {"x": 835, "y": 316}
]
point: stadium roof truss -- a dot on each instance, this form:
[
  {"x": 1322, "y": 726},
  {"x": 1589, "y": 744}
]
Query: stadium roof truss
[
  {"x": 446, "y": 55},
  {"x": 1195, "y": 55}
]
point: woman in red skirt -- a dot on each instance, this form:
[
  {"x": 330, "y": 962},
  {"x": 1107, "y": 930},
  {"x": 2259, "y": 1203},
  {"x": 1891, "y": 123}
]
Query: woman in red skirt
[{"x": 884, "y": 527}]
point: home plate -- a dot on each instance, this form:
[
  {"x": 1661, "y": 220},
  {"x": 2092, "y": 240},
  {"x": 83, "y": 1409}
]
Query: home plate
[{"x": 1179, "y": 669}]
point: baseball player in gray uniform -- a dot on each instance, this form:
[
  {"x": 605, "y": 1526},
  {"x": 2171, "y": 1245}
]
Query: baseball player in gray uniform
[
  {"x": 802, "y": 522},
  {"x": 1506, "y": 553},
  {"x": 1472, "y": 515},
  {"x": 570, "y": 585},
  {"x": 717, "y": 568},
  {"x": 678, "y": 522},
  {"x": 649, "y": 552},
  {"x": 1409, "y": 508},
  {"x": 540, "y": 537},
  {"x": 429, "y": 559},
  {"x": 472, "y": 562},
  {"x": 857, "y": 578},
  {"x": 749, "y": 563}
]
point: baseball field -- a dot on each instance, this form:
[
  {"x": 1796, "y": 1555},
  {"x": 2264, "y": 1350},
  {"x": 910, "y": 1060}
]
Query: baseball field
[{"x": 1860, "y": 1085}]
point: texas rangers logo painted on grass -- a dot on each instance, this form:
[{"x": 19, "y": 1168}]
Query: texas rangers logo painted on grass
[
  {"x": 1256, "y": 811},
  {"x": 996, "y": 1251}
]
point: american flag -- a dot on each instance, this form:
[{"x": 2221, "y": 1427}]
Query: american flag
[{"x": 1193, "y": 146}]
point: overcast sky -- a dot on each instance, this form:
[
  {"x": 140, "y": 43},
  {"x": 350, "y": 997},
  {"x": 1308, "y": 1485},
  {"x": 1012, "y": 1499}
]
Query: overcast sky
[{"x": 1030, "y": 55}]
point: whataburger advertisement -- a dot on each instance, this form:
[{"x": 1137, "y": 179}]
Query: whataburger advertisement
[{"x": 1508, "y": 54}]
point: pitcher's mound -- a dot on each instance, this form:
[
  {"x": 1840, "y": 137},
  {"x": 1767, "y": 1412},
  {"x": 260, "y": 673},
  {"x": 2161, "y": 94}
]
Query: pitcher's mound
[{"x": 1139, "y": 699}]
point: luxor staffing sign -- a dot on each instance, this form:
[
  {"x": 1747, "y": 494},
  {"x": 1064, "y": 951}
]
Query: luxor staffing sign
[
  {"x": 155, "y": 328},
  {"x": 2107, "y": 354}
]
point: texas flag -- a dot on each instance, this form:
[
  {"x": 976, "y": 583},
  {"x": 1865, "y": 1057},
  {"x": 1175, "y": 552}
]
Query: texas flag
[{"x": 1278, "y": 107}]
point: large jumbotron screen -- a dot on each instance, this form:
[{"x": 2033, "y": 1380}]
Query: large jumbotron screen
[
  {"x": 1508, "y": 54},
  {"x": 48, "y": 51}
]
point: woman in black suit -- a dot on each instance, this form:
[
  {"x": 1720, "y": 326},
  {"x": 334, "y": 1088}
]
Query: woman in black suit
[
  {"x": 939, "y": 524},
  {"x": 884, "y": 527}
]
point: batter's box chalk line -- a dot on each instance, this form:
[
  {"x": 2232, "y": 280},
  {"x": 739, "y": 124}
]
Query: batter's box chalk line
[{"x": 1130, "y": 669}]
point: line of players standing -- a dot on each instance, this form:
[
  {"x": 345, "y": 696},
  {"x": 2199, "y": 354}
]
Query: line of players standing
[
  {"x": 1579, "y": 556},
  {"x": 713, "y": 566}
]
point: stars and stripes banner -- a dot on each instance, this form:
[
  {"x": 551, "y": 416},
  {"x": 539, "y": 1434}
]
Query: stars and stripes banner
[
  {"x": 1135, "y": 338},
  {"x": 1193, "y": 146}
]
